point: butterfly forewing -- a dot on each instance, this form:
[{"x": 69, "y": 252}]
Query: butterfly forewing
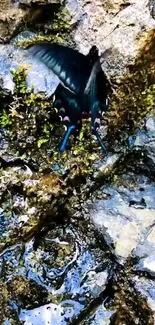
[{"x": 69, "y": 65}]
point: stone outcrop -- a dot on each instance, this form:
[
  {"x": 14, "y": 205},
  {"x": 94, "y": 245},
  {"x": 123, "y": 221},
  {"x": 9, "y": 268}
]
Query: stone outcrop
[
  {"x": 10, "y": 19},
  {"x": 118, "y": 25},
  {"x": 13, "y": 16}
]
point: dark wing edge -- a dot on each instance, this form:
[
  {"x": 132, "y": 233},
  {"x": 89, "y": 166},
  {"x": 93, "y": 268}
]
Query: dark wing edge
[{"x": 91, "y": 91}]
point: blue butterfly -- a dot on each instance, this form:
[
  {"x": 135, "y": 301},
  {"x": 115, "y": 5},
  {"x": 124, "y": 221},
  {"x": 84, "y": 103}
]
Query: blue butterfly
[{"x": 83, "y": 87}]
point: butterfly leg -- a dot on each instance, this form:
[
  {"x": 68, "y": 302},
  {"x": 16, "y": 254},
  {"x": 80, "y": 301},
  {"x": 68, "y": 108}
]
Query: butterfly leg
[
  {"x": 72, "y": 120},
  {"x": 69, "y": 111},
  {"x": 95, "y": 123}
]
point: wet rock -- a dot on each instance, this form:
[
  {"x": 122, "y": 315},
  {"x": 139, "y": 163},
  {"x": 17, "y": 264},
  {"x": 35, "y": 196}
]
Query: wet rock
[
  {"x": 59, "y": 278},
  {"x": 107, "y": 165},
  {"x": 96, "y": 282},
  {"x": 150, "y": 124},
  {"x": 121, "y": 223},
  {"x": 147, "y": 288},
  {"x": 145, "y": 251},
  {"x": 18, "y": 214},
  {"x": 50, "y": 313},
  {"x": 26, "y": 292}
]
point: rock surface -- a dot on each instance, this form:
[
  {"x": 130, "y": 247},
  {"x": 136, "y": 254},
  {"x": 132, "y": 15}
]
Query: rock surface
[
  {"x": 66, "y": 259},
  {"x": 115, "y": 25},
  {"x": 126, "y": 217},
  {"x": 38, "y": 76},
  {"x": 11, "y": 19}
]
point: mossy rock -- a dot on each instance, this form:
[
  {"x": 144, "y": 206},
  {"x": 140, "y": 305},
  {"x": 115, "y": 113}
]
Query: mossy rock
[{"x": 135, "y": 93}]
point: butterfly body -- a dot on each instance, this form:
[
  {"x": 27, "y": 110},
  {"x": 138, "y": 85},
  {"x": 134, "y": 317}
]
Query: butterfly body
[{"x": 83, "y": 87}]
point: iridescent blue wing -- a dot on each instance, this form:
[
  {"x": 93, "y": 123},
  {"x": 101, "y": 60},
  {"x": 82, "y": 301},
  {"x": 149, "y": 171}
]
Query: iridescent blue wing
[{"x": 72, "y": 67}]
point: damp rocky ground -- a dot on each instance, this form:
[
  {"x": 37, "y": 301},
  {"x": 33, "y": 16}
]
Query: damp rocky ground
[{"x": 77, "y": 230}]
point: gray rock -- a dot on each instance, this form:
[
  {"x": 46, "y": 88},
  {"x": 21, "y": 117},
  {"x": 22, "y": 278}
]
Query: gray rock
[
  {"x": 145, "y": 142},
  {"x": 11, "y": 19},
  {"x": 152, "y": 8},
  {"x": 122, "y": 223},
  {"x": 150, "y": 124},
  {"x": 38, "y": 74},
  {"x": 147, "y": 288},
  {"x": 146, "y": 250},
  {"x": 115, "y": 25}
]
